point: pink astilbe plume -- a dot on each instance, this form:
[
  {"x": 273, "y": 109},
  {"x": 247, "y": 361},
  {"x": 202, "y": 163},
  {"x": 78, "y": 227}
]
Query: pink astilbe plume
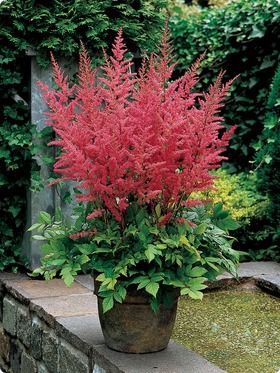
[{"x": 125, "y": 137}]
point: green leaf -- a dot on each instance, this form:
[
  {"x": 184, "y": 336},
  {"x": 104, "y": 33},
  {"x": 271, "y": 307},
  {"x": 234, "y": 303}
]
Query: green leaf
[
  {"x": 267, "y": 159},
  {"x": 107, "y": 304},
  {"x": 101, "y": 277},
  {"x": 213, "y": 266},
  {"x": 34, "y": 226},
  {"x": 83, "y": 259},
  {"x": 131, "y": 230},
  {"x": 44, "y": 217},
  {"x": 154, "y": 230},
  {"x": 158, "y": 210},
  {"x": 267, "y": 62},
  {"x": 196, "y": 272},
  {"x": 229, "y": 224},
  {"x": 184, "y": 291},
  {"x": 184, "y": 241},
  {"x": 36, "y": 272},
  {"x": 67, "y": 276},
  {"x": 197, "y": 283},
  {"x": 156, "y": 277},
  {"x": 201, "y": 228},
  {"x": 151, "y": 252},
  {"x": 111, "y": 283},
  {"x": 194, "y": 294},
  {"x": 152, "y": 288},
  {"x": 117, "y": 297},
  {"x": 155, "y": 304},
  {"x": 256, "y": 33},
  {"x": 85, "y": 248},
  {"x": 58, "y": 262},
  {"x": 122, "y": 292},
  {"x": 176, "y": 283},
  {"x": 143, "y": 283},
  {"x": 39, "y": 238}
]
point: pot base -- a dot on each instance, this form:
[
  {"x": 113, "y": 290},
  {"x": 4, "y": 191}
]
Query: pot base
[{"x": 133, "y": 327}]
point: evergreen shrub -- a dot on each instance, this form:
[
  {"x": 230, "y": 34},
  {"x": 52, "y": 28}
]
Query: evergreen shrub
[
  {"x": 268, "y": 163},
  {"x": 242, "y": 37}
]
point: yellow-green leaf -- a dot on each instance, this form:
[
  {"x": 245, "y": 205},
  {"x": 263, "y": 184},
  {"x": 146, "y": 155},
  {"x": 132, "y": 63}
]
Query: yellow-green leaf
[{"x": 158, "y": 210}]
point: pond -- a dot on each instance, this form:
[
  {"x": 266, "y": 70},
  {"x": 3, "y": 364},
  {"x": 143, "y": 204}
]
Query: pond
[{"x": 237, "y": 330}]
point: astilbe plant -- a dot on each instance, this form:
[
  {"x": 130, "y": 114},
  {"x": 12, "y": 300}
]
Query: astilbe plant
[
  {"x": 137, "y": 146},
  {"x": 127, "y": 137}
]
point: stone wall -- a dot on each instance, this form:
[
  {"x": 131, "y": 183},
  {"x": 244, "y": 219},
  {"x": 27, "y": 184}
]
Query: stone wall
[
  {"x": 30, "y": 344},
  {"x": 46, "y": 327}
]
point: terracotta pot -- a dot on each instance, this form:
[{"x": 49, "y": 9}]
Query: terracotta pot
[{"x": 133, "y": 327}]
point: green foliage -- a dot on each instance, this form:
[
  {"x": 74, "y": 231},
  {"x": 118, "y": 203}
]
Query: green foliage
[
  {"x": 268, "y": 156},
  {"x": 180, "y": 9},
  {"x": 238, "y": 194},
  {"x": 268, "y": 165},
  {"x": 61, "y": 25},
  {"x": 184, "y": 9},
  {"x": 14, "y": 164},
  {"x": 140, "y": 254},
  {"x": 241, "y": 39},
  {"x": 42, "y": 26}
]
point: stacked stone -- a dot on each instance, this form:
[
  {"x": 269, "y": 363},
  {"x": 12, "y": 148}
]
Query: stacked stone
[
  {"x": 29, "y": 344},
  {"x": 46, "y": 327}
]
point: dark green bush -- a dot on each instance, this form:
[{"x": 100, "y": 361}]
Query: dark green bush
[
  {"x": 243, "y": 37},
  {"x": 268, "y": 161},
  {"x": 59, "y": 26},
  {"x": 268, "y": 154}
]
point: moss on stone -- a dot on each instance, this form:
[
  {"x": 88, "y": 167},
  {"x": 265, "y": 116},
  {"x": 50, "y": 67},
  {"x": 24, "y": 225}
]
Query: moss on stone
[{"x": 237, "y": 330}]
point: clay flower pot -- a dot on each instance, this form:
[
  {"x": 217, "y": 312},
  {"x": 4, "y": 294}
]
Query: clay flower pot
[{"x": 133, "y": 327}]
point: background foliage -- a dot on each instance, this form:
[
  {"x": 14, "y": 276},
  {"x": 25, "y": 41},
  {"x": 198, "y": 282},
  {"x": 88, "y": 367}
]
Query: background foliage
[
  {"x": 258, "y": 232},
  {"x": 184, "y": 8},
  {"x": 240, "y": 36},
  {"x": 268, "y": 163},
  {"x": 243, "y": 38},
  {"x": 268, "y": 157},
  {"x": 58, "y": 26},
  {"x": 239, "y": 196}
]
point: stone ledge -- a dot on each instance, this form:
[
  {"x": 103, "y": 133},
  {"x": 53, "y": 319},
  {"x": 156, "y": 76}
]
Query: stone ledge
[
  {"x": 264, "y": 275},
  {"x": 255, "y": 269},
  {"x": 64, "y": 322},
  {"x": 174, "y": 359},
  {"x": 51, "y": 308},
  {"x": 269, "y": 283},
  {"x": 83, "y": 332}
]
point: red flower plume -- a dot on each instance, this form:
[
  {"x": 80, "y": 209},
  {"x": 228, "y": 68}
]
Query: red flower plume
[{"x": 125, "y": 137}]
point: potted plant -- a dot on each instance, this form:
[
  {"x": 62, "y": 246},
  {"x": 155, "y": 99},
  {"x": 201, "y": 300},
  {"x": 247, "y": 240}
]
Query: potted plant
[{"x": 137, "y": 146}]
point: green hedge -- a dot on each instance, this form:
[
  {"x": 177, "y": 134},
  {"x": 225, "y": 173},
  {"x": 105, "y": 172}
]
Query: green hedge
[
  {"x": 268, "y": 159},
  {"x": 58, "y": 26},
  {"x": 243, "y": 37},
  {"x": 268, "y": 155}
]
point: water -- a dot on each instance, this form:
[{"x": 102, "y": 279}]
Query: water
[{"x": 239, "y": 331}]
